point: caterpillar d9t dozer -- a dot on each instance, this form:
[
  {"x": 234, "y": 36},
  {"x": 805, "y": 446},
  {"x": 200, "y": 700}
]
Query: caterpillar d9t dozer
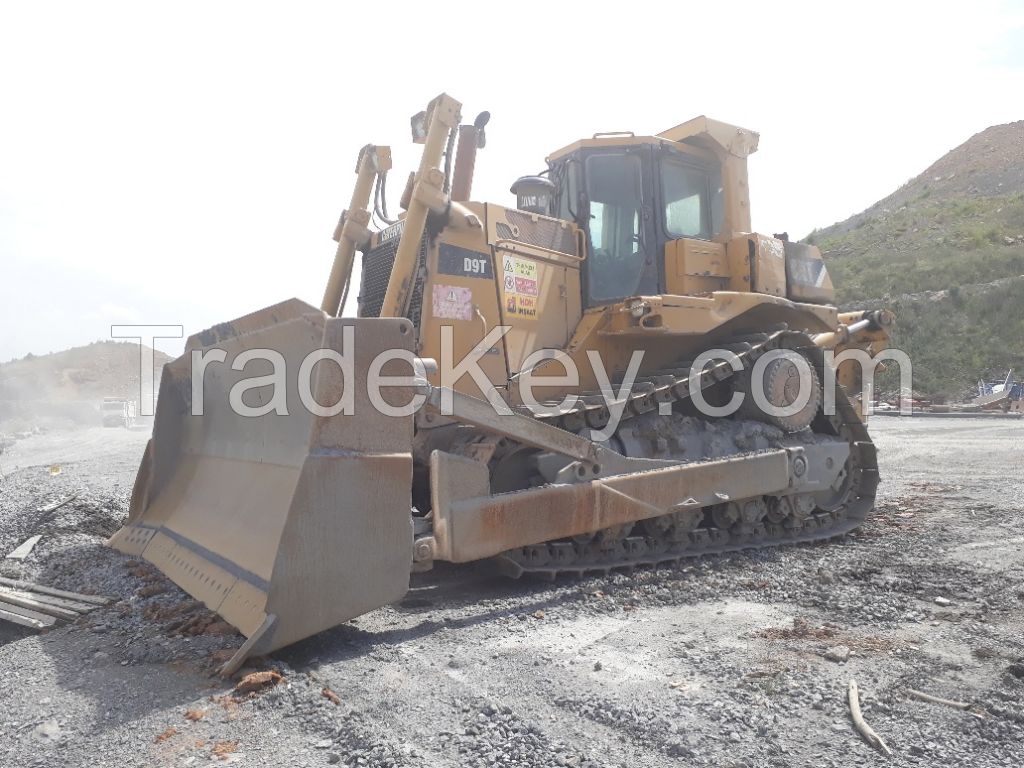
[{"x": 560, "y": 389}]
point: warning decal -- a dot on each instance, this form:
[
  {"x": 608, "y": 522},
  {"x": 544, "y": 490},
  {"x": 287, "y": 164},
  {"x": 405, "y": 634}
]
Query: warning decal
[
  {"x": 520, "y": 286},
  {"x": 521, "y": 305},
  {"x": 452, "y": 302},
  {"x": 526, "y": 286}
]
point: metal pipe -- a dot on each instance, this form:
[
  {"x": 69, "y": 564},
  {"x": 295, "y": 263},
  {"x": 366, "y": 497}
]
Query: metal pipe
[
  {"x": 471, "y": 138},
  {"x": 352, "y": 230},
  {"x": 465, "y": 162}
]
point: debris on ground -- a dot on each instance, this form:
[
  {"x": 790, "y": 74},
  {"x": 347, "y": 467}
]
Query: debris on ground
[
  {"x": 222, "y": 749},
  {"x": 58, "y": 504},
  {"x": 837, "y": 653},
  {"x": 257, "y": 681},
  {"x": 48, "y": 730},
  {"x": 331, "y": 696},
  {"x": 865, "y": 730},
  {"x": 801, "y": 630},
  {"x": 938, "y": 700},
  {"x": 40, "y": 607},
  {"x": 165, "y": 735},
  {"x": 24, "y": 549}
]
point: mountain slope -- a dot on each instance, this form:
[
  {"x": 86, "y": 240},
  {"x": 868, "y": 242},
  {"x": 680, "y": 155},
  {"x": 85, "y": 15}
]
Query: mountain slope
[
  {"x": 68, "y": 386},
  {"x": 946, "y": 252}
]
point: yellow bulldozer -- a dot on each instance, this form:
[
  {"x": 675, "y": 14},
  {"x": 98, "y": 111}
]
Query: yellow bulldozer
[{"x": 615, "y": 372}]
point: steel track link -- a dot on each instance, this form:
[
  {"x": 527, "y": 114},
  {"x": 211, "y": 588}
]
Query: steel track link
[{"x": 574, "y": 557}]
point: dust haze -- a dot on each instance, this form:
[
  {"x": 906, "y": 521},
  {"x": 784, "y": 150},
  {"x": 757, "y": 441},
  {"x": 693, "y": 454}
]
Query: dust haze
[{"x": 65, "y": 390}]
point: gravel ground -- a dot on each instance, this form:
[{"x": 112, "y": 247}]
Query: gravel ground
[{"x": 726, "y": 661}]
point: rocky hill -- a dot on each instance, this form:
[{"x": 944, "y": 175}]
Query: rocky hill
[
  {"x": 946, "y": 251},
  {"x": 65, "y": 388}
]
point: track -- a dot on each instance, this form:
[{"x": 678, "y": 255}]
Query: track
[{"x": 663, "y": 541}]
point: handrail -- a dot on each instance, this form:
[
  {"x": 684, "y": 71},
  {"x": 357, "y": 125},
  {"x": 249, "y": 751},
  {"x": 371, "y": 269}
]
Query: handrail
[{"x": 511, "y": 245}]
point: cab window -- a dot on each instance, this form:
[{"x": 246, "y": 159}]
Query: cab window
[{"x": 685, "y": 190}]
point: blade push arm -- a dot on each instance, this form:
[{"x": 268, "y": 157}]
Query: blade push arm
[{"x": 353, "y": 228}]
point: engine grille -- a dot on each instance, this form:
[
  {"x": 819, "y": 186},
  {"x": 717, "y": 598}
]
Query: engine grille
[
  {"x": 543, "y": 232},
  {"x": 377, "y": 266}
]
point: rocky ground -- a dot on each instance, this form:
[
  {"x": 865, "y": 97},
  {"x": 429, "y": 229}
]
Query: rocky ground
[{"x": 726, "y": 661}]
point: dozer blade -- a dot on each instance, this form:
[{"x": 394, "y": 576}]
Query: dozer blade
[{"x": 285, "y": 525}]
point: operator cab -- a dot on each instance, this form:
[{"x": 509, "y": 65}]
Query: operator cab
[
  {"x": 670, "y": 215},
  {"x": 631, "y": 196}
]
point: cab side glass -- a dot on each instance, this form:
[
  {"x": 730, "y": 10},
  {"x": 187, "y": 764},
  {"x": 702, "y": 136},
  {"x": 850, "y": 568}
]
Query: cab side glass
[{"x": 685, "y": 190}]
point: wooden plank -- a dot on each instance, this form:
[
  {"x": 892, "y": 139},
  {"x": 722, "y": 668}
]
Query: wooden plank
[
  {"x": 24, "y": 549},
  {"x": 59, "y": 504},
  {"x": 26, "y": 586},
  {"x": 25, "y": 617},
  {"x": 34, "y": 605},
  {"x": 60, "y": 602}
]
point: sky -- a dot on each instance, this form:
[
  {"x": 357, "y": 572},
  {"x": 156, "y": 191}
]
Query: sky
[{"x": 185, "y": 163}]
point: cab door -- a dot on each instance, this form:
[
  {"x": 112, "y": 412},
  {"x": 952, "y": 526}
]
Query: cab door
[{"x": 622, "y": 249}]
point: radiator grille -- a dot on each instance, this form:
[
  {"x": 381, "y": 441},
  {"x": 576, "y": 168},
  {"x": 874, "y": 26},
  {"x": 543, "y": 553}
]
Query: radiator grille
[{"x": 373, "y": 285}]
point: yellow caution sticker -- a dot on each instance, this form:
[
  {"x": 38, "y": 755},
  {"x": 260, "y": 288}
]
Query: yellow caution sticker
[{"x": 520, "y": 285}]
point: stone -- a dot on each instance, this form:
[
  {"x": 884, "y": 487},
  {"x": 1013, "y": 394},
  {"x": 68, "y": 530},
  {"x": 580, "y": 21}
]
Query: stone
[
  {"x": 48, "y": 730},
  {"x": 837, "y": 653}
]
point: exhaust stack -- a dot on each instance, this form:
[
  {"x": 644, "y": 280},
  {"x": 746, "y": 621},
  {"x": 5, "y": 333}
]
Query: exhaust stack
[{"x": 471, "y": 138}]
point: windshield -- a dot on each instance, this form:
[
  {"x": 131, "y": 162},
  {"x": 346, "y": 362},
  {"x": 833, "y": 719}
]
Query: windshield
[{"x": 616, "y": 263}]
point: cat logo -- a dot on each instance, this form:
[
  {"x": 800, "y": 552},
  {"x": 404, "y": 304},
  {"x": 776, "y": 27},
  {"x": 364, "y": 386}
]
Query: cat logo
[{"x": 391, "y": 233}]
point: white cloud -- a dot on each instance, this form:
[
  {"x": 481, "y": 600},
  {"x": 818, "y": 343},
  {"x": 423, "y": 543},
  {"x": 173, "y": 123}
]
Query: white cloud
[{"x": 191, "y": 160}]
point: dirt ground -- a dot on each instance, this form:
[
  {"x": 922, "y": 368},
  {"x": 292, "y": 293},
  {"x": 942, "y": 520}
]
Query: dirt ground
[{"x": 740, "y": 660}]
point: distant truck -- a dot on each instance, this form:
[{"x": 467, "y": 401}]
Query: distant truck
[{"x": 118, "y": 412}]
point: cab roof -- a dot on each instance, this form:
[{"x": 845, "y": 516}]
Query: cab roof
[{"x": 699, "y": 133}]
